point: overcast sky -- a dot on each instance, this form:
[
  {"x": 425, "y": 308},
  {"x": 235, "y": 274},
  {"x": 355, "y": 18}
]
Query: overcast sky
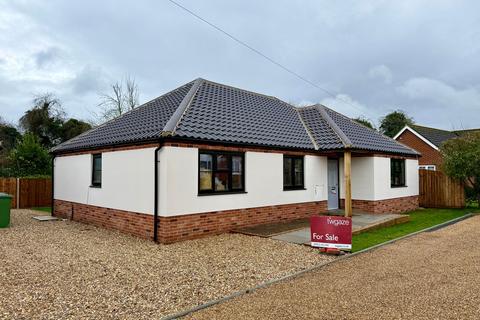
[{"x": 419, "y": 56}]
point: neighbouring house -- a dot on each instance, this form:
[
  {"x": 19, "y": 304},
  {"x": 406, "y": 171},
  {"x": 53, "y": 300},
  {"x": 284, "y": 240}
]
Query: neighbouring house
[
  {"x": 427, "y": 141},
  {"x": 206, "y": 158}
]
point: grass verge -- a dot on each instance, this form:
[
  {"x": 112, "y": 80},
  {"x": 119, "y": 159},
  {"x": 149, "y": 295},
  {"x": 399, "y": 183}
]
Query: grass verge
[
  {"x": 44, "y": 209},
  {"x": 419, "y": 220}
]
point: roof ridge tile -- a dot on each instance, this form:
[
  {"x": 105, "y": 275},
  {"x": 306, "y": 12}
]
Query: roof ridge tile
[
  {"x": 343, "y": 137},
  {"x": 172, "y": 123}
]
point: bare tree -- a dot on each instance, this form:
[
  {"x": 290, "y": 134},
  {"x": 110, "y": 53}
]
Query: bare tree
[
  {"x": 124, "y": 96},
  {"x": 131, "y": 97}
]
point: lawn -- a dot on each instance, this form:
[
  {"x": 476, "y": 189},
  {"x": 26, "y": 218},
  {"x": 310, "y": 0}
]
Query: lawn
[
  {"x": 44, "y": 209},
  {"x": 419, "y": 219}
]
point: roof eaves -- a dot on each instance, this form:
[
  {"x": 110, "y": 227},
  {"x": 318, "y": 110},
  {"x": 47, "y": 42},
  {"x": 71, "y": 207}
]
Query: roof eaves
[
  {"x": 345, "y": 140},
  {"x": 177, "y": 116}
]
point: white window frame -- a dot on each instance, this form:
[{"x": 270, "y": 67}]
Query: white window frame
[{"x": 431, "y": 167}]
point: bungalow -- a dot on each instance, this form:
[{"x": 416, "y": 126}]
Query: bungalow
[{"x": 206, "y": 158}]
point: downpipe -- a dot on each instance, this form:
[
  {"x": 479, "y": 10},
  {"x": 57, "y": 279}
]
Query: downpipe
[
  {"x": 155, "y": 205},
  {"x": 52, "y": 211}
]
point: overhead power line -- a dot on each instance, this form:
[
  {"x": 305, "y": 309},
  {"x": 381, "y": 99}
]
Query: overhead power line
[{"x": 271, "y": 60}]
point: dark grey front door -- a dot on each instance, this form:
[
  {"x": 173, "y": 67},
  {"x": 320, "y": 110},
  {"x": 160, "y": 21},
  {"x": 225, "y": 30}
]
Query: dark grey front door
[{"x": 332, "y": 184}]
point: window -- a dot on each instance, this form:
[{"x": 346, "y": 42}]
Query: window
[
  {"x": 431, "y": 167},
  {"x": 220, "y": 172},
  {"x": 397, "y": 172},
  {"x": 292, "y": 173},
  {"x": 97, "y": 170}
]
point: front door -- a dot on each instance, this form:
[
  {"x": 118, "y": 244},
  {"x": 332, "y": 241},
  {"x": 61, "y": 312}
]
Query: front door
[{"x": 332, "y": 184}]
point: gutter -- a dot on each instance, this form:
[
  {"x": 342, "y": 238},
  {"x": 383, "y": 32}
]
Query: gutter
[{"x": 155, "y": 196}]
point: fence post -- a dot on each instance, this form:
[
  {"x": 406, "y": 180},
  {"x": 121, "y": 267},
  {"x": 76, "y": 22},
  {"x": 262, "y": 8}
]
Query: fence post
[{"x": 18, "y": 193}]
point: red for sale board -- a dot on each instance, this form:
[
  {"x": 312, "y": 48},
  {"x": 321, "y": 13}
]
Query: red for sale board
[{"x": 331, "y": 232}]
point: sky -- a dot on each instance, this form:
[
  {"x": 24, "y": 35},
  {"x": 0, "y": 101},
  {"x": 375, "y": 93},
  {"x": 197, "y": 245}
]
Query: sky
[{"x": 373, "y": 57}]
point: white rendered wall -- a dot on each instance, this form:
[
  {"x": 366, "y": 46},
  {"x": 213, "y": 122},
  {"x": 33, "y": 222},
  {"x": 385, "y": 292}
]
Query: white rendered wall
[
  {"x": 371, "y": 179},
  {"x": 178, "y": 190},
  {"x": 383, "y": 190},
  {"x": 362, "y": 178},
  {"x": 127, "y": 180}
]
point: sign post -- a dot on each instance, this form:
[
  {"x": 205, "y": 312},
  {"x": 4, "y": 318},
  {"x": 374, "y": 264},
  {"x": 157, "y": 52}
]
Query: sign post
[{"x": 332, "y": 232}]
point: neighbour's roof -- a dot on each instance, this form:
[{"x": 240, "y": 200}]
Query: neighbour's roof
[
  {"x": 466, "y": 131},
  {"x": 435, "y": 136},
  {"x": 209, "y": 111}
]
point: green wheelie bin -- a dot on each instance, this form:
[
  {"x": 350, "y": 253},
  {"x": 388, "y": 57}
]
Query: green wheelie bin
[{"x": 5, "y": 200}]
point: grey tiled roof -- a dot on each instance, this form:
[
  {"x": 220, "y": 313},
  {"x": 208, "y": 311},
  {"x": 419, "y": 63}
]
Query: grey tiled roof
[
  {"x": 332, "y": 130},
  {"x": 141, "y": 124},
  {"x": 222, "y": 113},
  {"x": 208, "y": 111},
  {"x": 365, "y": 138},
  {"x": 324, "y": 136},
  {"x": 466, "y": 131},
  {"x": 435, "y": 136}
]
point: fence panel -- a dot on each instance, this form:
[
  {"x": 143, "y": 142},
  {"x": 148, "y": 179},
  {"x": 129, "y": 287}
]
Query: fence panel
[
  {"x": 35, "y": 193},
  {"x": 9, "y": 185},
  {"x": 439, "y": 191},
  {"x": 32, "y": 192}
]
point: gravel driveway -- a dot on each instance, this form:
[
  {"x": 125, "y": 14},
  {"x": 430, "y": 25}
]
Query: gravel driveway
[
  {"x": 68, "y": 270},
  {"x": 434, "y": 275}
]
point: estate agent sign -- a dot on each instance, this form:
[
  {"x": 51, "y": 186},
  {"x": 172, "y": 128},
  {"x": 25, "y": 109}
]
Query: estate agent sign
[{"x": 331, "y": 232}]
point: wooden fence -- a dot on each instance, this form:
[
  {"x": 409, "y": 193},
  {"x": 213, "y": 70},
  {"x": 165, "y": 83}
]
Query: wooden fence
[
  {"x": 9, "y": 185},
  {"x": 28, "y": 193},
  {"x": 439, "y": 191}
]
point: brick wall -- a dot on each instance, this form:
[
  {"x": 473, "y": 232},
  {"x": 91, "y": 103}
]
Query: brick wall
[
  {"x": 429, "y": 154},
  {"x": 176, "y": 228},
  {"x": 137, "y": 224},
  {"x": 395, "y": 205},
  {"x": 196, "y": 225}
]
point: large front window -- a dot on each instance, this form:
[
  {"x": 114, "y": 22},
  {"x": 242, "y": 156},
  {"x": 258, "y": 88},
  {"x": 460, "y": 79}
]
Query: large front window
[
  {"x": 292, "y": 173},
  {"x": 397, "y": 172},
  {"x": 220, "y": 172}
]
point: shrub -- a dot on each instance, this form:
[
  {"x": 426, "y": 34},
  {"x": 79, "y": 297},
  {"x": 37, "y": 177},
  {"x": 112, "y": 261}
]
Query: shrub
[{"x": 30, "y": 158}]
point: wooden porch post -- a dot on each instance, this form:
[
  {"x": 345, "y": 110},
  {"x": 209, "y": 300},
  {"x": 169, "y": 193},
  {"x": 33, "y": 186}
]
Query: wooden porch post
[{"x": 347, "y": 161}]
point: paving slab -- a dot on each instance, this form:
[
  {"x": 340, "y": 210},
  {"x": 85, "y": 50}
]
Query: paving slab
[
  {"x": 361, "y": 222},
  {"x": 271, "y": 229},
  {"x": 45, "y": 218}
]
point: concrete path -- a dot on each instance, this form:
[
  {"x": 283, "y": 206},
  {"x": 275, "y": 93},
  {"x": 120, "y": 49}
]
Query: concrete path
[
  {"x": 433, "y": 275},
  {"x": 361, "y": 222}
]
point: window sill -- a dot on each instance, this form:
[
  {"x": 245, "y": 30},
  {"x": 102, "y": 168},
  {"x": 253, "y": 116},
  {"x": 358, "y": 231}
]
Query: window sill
[
  {"x": 294, "y": 189},
  {"x": 396, "y": 187},
  {"x": 220, "y": 193},
  {"x": 97, "y": 187}
]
